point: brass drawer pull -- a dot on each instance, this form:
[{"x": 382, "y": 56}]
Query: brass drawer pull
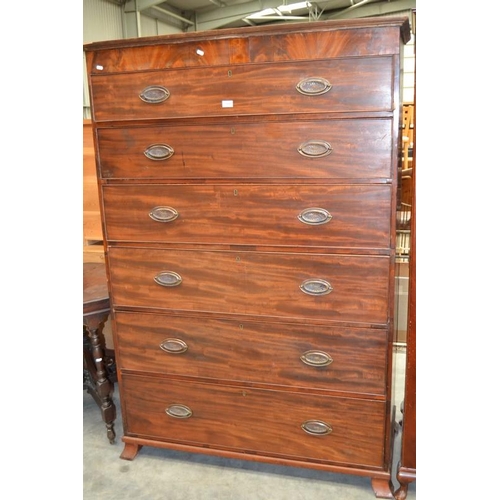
[
  {"x": 314, "y": 216},
  {"x": 159, "y": 152},
  {"x": 315, "y": 149},
  {"x": 314, "y": 85},
  {"x": 164, "y": 214},
  {"x": 168, "y": 278},
  {"x": 179, "y": 411},
  {"x": 174, "y": 346},
  {"x": 316, "y": 427},
  {"x": 316, "y": 287},
  {"x": 154, "y": 94},
  {"x": 316, "y": 358}
]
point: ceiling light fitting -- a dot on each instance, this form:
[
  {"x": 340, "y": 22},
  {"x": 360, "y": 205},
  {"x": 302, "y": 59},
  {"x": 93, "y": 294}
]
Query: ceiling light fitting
[
  {"x": 277, "y": 13},
  {"x": 294, "y": 6}
]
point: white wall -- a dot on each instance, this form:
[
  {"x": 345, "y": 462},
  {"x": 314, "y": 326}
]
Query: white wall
[
  {"x": 409, "y": 71},
  {"x": 102, "y": 20}
]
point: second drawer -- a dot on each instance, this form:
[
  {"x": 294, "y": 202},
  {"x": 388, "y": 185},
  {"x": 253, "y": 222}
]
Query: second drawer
[{"x": 297, "y": 148}]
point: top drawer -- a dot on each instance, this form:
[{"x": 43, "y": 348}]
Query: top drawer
[
  {"x": 194, "y": 49},
  {"x": 339, "y": 85}
]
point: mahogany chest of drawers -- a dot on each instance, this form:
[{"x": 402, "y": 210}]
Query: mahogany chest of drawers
[{"x": 248, "y": 183}]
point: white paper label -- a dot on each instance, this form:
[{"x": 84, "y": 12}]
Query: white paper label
[{"x": 227, "y": 104}]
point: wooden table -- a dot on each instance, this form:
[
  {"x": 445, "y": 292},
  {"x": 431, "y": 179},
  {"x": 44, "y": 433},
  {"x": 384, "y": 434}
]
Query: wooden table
[{"x": 96, "y": 308}]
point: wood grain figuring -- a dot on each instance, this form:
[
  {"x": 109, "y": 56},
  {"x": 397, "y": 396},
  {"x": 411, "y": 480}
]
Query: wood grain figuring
[
  {"x": 357, "y": 85},
  {"x": 360, "y": 150},
  {"x": 92, "y": 225},
  {"x": 250, "y": 215},
  {"x": 256, "y": 420},
  {"x": 263, "y": 354},
  {"x": 241, "y": 46},
  {"x": 322, "y": 45},
  {"x": 91, "y": 213},
  {"x": 253, "y": 283},
  {"x": 215, "y": 52}
]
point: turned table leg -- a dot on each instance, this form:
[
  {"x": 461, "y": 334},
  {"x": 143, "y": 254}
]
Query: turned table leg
[{"x": 103, "y": 386}]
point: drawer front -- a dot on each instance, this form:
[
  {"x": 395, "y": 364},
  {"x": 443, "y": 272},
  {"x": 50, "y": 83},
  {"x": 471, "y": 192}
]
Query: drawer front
[
  {"x": 174, "y": 55},
  {"x": 334, "y": 359},
  {"x": 255, "y": 420},
  {"x": 328, "y": 216},
  {"x": 357, "y": 84},
  {"x": 284, "y": 47},
  {"x": 286, "y": 150},
  {"x": 300, "y": 286}
]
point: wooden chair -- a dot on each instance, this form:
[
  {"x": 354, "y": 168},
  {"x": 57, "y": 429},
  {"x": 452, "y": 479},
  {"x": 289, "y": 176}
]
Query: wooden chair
[{"x": 99, "y": 372}]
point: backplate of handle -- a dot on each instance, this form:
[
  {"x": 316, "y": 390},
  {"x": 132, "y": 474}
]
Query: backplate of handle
[
  {"x": 159, "y": 152},
  {"x": 316, "y": 358},
  {"x": 314, "y": 216},
  {"x": 154, "y": 94},
  {"x": 164, "y": 214},
  {"x": 314, "y": 85},
  {"x": 316, "y": 427},
  {"x": 174, "y": 346},
  {"x": 315, "y": 149},
  {"x": 316, "y": 287},
  {"x": 179, "y": 411},
  {"x": 168, "y": 278}
]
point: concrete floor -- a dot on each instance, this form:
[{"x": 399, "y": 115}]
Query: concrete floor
[{"x": 160, "y": 474}]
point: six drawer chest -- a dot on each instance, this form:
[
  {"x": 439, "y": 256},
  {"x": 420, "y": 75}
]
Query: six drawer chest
[{"x": 248, "y": 190}]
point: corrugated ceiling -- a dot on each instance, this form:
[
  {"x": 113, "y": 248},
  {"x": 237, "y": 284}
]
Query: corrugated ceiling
[{"x": 198, "y": 15}]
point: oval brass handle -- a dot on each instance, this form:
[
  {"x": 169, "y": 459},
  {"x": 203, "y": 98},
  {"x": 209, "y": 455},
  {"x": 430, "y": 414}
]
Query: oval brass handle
[
  {"x": 179, "y": 411},
  {"x": 154, "y": 94},
  {"x": 314, "y": 216},
  {"x": 159, "y": 152},
  {"x": 316, "y": 358},
  {"x": 164, "y": 214},
  {"x": 316, "y": 427},
  {"x": 168, "y": 278},
  {"x": 315, "y": 149},
  {"x": 314, "y": 85},
  {"x": 174, "y": 346},
  {"x": 316, "y": 287}
]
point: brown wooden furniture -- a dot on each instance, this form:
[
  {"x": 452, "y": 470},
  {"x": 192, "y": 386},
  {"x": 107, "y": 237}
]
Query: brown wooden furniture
[
  {"x": 93, "y": 250},
  {"x": 98, "y": 364},
  {"x": 248, "y": 189},
  {"x": 407, "y": 467}
]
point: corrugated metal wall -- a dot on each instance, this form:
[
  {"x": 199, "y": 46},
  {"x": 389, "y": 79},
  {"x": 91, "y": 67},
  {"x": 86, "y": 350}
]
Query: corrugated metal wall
[
  {"x": 409, "y": 71},
  {"x": 102, "y": 20},
  {"x": 408, "y": 59}
]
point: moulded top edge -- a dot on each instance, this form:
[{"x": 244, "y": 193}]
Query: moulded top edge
[{"x": 373, "y": 22}]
